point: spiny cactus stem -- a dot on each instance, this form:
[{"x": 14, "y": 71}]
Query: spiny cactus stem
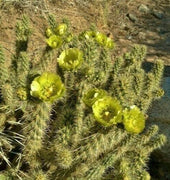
[
  {"x": 36, "y": 131},
  {"x": 158, "y": 72},
  {"x": 111, "y": 158},
  {"x": 4, "y": 75},
  {"x": 8, "y": 96},
  {"x": 100, "y": 144}
]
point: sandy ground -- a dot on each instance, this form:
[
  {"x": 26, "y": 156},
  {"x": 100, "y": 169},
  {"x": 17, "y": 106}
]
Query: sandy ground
[{"x": 127, "y": 22}]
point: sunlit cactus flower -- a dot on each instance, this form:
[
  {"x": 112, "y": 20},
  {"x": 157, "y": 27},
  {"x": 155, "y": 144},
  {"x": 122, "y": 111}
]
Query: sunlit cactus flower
[
  {"x": 48, "y": 87},
  {"x": 107, "y": 111},
  {"x": 88, "y": 35},
  {"x": 70, "y": 59},
  {"x": 93, "y": 95},
  {"x": 109, "y": 43},
  {"x": 49, "y": 32},
  {"x": 103, "y": 40},
  {"x": 61, "y": 29},
  {"x": 54, "y": 41},
  {"x": 146, "y": 176},
  {"x": 133, "y": 120}
]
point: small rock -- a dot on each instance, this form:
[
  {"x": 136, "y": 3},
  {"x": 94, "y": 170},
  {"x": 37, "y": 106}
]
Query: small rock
[
  {"x": 144, "y": 9},
  {"x": 158, "y": 14},
  {"x": 142, "y": 35},
  {"x": 132, "y": 17},
  {"x": 123, "y": 26},
  {"x": 129, "y": 37}
]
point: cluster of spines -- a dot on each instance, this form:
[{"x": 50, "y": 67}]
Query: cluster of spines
[
  {"x": 131, "y": 84},
  {"x": 3, "y": 68},
  {"x": 100, "y": 63},
  {"x": 23, "y": 32},
  {"x": 125, "y": 152},
  {"x": 23, "y": 66},
  {"x": 34, "y": 132}
]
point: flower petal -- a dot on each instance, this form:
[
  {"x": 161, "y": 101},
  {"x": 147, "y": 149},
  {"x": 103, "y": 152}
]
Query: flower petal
[
  {"x": 133, "y": 120},
  {"x": 54, "y": 41},
  {"x": 70, "y": 59},
  {"x": 47, "y": 87},
  {"x": 107, "y": 111},
  {"x": 93, "y": 95}
]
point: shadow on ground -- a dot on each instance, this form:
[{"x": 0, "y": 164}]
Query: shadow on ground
[{"x": 155, "y": 31}]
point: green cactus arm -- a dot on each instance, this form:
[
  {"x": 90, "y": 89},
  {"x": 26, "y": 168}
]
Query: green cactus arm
[
  {"x": 4, "y": 75},
  {"x": 8, "y": 97},
  {"x": 98, "y": 169},
  {"x": 147, "y": 93},
  {"x": 52, "y": 22},
  {"x": 117, "y": 65},
  {"x": 157, "y": 70},
  {"x": 23, "y": 32},
  {"x": 138, "y": 82},
  {"x": 35, "y": 131},
  {"x": 135, "y": 57},
  {"x": 23, "y": 67},
  {"x": 100, "y": 143}
]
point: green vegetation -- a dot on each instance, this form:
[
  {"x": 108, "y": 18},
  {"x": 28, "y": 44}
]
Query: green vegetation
[{"x": 81, "y": 118}]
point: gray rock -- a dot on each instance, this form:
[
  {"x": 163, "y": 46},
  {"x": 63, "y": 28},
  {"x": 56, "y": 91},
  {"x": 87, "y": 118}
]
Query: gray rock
[
  {"x": 167, "y": 42},
  {"x": 159, "y": 114},
  {"x": 132, "y": 17},
  {"x": 144, "y": 9},
  {"x": 158, "y": 14},
  {"x": 142, "y": 35},
  {"x": 166, "y": 87}
]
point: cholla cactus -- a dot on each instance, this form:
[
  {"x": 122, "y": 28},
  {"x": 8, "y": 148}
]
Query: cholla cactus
[{"x": 82, "y": 119}]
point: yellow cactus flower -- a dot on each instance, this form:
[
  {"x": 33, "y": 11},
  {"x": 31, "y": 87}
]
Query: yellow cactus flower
[
  {"x": 70, "y": 59},
  {"x": 103, "y": 40},
  {"x": 61, "y": 29},
  {"x": 49, "y": 32},
  {"x": 93, "y": 95},
  {"x": 107, "y": 111},
  {"x": 48, "y": 87},
  {"x": 88, "y": 35},
  {"x": 133, "y": 120},
  {"x": 109, "y": 43},
  {"x": 54, "y": 41}
]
